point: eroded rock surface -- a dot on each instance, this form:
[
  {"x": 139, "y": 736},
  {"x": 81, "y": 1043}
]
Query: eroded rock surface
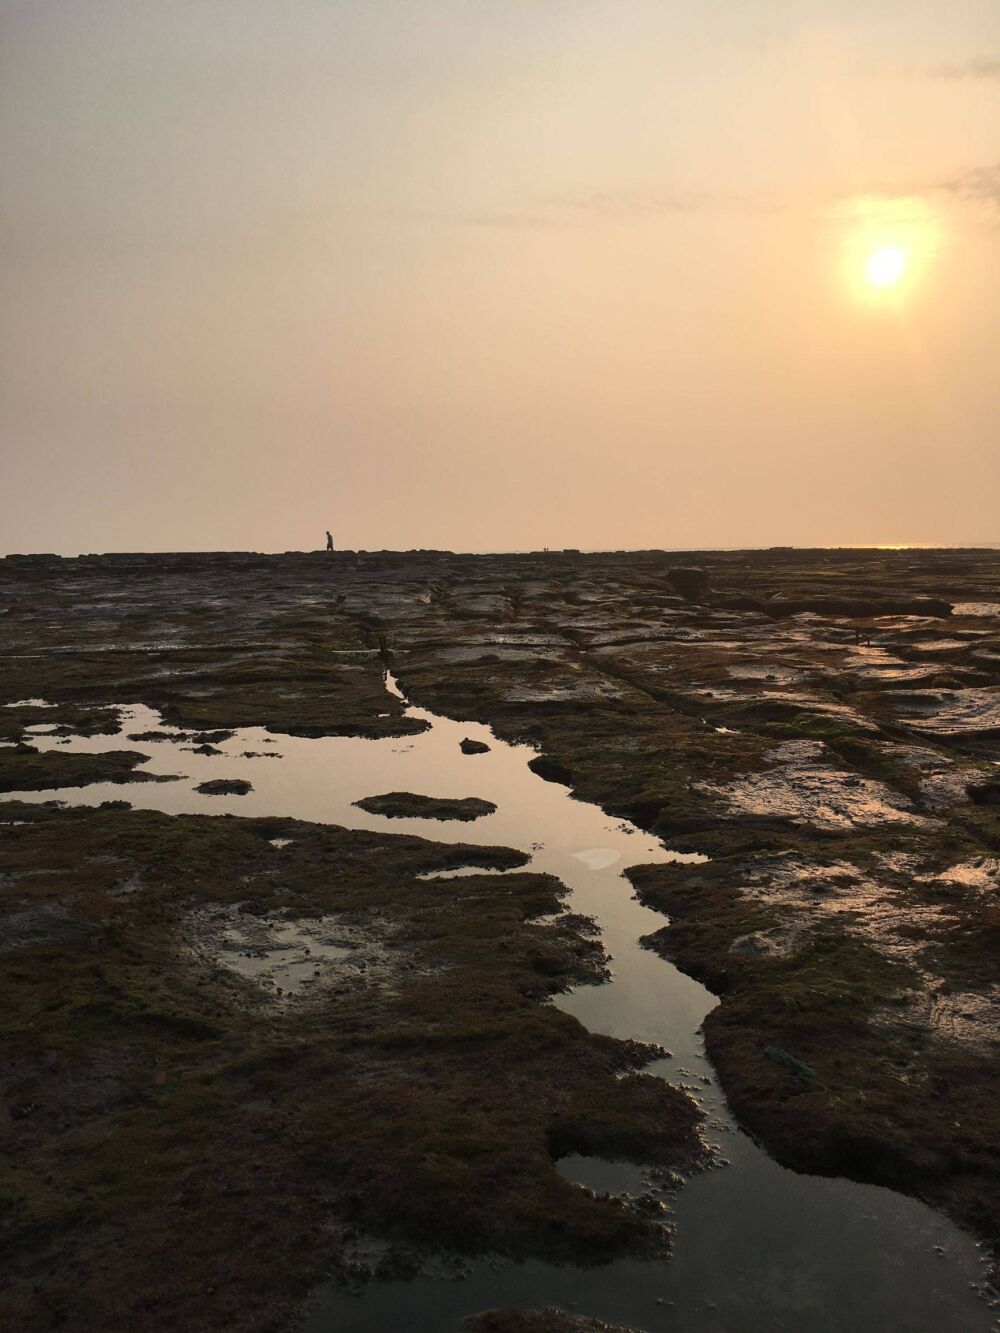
[
  {"x": 813, "y": 721},
  {"x": 538, "y": 1321}
]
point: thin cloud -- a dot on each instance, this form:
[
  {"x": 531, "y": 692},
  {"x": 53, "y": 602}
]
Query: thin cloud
[
  {"x": 979, "y": 68},
  {"x": 573, "y": 210},
  {"x": 971, "y": 185},
  {"x": 976, "y": 184},
  {"x": 602, "y": 203}
]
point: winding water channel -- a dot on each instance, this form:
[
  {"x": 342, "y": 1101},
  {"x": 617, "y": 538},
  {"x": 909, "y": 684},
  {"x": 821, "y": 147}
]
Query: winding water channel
[{"x": 758, "y": 1249}]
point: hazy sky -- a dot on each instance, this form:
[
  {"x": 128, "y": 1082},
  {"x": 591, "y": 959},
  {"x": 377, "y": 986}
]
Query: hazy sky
[{"x": 495, "y": 274}]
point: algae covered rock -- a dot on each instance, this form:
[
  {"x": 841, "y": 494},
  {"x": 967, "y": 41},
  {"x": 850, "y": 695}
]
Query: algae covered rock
[
  {"x": 468, "y": 746},
  {"x": 548, "y": 1320},
  {"x": 410, "y": 805},
  {"x": 224, "y": 787}
]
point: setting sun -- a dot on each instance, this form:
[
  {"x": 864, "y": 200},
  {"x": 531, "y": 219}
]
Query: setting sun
[
  {"x": 887, "y": 265},
  {"x": 887, "y": 245}
]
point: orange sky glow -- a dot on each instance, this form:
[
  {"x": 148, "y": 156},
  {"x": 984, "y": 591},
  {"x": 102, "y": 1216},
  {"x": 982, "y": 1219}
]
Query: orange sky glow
[{"x": 499, "y": 276}]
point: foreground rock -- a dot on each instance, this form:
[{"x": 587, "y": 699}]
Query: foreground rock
[
  {"x": 538, "y": 1321},
  {"x": 409, "y": 805},
  {"x": 816, "y": 722},
  {"x": 860, "y": 1015},
  {"x": 166, "y": 1097}
]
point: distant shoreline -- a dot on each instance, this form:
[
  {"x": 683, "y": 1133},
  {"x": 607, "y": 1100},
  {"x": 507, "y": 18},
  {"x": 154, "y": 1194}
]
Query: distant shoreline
[{"x": 555, "y": 551}]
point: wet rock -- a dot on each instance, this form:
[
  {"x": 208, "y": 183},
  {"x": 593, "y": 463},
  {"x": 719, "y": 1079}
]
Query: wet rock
[
  {"x": 798, "y": 1067},
  {"x": 468, "y": 746},
  {"x": 549, "y": 1320},
  {"x": 224, "y": 787},
  {"x": 253, "y": 907},
  {"x": 985, "y": 793},
  {"x": 23, "y": 768},
  {"x": 858, "y": 606},
  {"x": 690, "y": 582},
  {"x": 551, "y": 770},
  {"x": 427, "y": 993},
  {"x": 805, "y": 785},
  {"x": 410, "y": 805},
  {"x": 776, "y": 942},
  {"x": 50, "y": 924},
  {"x": 657, "y": 709},
  {"x": 960, "y": 713}
]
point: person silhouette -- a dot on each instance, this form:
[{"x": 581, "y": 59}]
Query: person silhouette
[{"x": 329, "y": 541}]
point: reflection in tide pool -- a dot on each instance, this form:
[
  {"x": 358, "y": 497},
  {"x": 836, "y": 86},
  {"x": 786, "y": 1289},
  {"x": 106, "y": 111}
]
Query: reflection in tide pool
[{"x": 759, "y": 1249}]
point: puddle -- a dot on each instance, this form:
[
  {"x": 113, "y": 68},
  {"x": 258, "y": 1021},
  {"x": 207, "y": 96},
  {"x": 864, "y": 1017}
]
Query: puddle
[
  {"x": 759, "y": 1249},
  {"x": 288, "y": 955}
]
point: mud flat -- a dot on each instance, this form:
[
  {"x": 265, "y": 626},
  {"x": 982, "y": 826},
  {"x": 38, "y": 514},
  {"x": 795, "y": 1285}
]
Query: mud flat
[{"x": 270, "y": 1036}]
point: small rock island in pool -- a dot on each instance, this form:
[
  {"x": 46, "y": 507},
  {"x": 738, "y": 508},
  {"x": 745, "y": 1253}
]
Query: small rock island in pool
[
  {"x": 225, "y": 787},
  {"x": 468, "y": 746},
  {"x": 408, "y": 805}
]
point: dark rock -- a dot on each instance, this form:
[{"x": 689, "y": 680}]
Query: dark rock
[
  {"x": 549, "y": 1320},
  {"x": 690, "y": 582},
  {"x": 551, "y": 770},
  {"x": 224, "y": 787},
  {"x": 985, "y": 793},
  {"x": 798, "y": 1067},
  {"x": 23, "y": 768},
  {"x": 859, "y": 605},
  {"x": 469, "y": 746},
  {"x": 407, "y": 804}
]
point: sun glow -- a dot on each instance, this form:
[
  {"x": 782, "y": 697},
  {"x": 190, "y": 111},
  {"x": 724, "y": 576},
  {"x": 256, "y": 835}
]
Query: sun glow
[
  {"x": 887, "y": 244},
  {"x": 887, "y": 265}
]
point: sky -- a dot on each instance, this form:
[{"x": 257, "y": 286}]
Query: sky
[{"x": 498, "y": 274}]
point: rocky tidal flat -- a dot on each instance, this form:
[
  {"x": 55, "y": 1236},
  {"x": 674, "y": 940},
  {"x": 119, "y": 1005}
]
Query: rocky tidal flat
[{"x": 284, "y": 1052}]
